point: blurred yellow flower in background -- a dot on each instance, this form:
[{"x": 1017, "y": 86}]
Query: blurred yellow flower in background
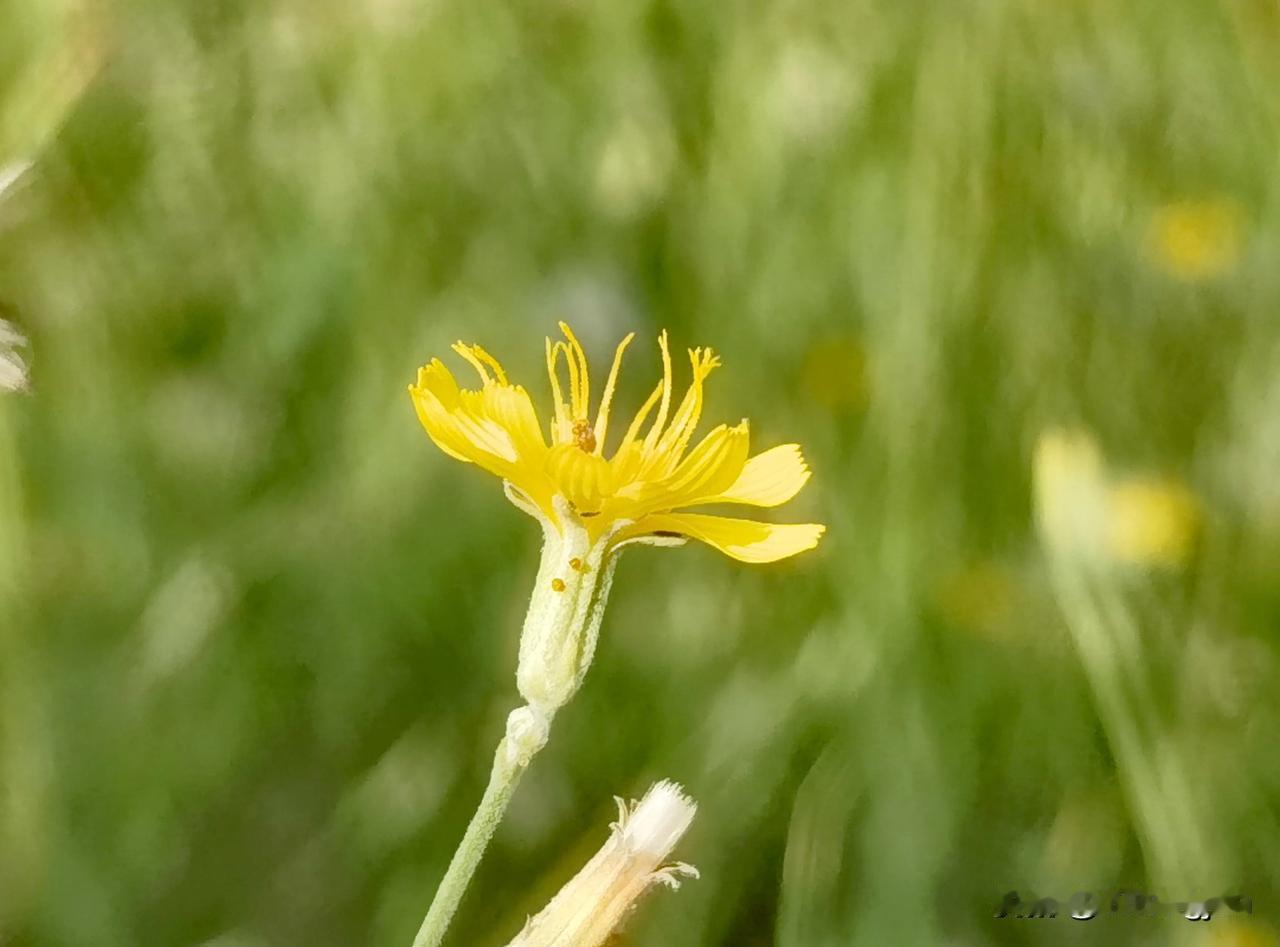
[
  {"x": 1232, "y": 932},
  {"x": 1084, "y": 510},
  {"x": 1196, "y": 240},
  {"x": 835, "y": 374},
  {"x": 978, "y": 597},
  {"x": 641, "y": 490},
  {"x": 1152, "y": 521}
]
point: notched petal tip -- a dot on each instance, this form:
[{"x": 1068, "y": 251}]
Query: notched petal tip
[{"x": 770, "y": 478}]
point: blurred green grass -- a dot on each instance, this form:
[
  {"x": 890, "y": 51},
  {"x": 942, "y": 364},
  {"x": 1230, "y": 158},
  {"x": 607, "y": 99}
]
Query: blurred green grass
[{"x": 257, "y": 635}]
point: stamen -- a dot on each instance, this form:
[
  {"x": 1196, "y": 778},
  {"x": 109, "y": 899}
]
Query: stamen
[
  {"x": 606, "y": 399},
  {"x": 571, "y": 362},
  {"x": 655, "y": 432},
  {"x": 562, "y": 413},
  {"x": 634, "y": 430},
  {"x": 582, "y": 398},
  {"x": 492, "y": 363},
  {"x": 676, "y": 439},
  {"x": 584, "y": 437}
]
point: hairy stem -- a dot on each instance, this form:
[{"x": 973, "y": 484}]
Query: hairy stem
[{"x": 508, "y": 767}]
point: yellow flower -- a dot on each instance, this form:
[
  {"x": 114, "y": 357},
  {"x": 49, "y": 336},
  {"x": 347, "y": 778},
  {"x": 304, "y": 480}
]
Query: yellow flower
[
  {"x": 642, "y": 490},
  {"x": 1196, "y": 240}
]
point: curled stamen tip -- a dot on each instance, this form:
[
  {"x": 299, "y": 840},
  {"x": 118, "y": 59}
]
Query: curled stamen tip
[
  {"x": 669, "y": 875},
  {"x": 568, "y": 334},
  {"x": 623, "y": 811}
]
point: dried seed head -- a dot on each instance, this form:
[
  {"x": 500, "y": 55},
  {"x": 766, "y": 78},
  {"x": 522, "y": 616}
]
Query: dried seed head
[{"x": 592, "y": 905}]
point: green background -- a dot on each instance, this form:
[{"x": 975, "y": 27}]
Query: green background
[{"x": 257, "y": 635}]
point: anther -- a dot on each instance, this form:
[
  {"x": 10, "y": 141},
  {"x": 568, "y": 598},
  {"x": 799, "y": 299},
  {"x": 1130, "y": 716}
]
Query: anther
[
  {"x": 557, "y": 585},
  {"x": 584, "y": 436}
]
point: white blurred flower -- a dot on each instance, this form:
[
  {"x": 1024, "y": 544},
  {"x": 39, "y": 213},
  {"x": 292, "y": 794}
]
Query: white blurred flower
[
  {"x": 811, "y": 92},
  {"x": 1070, "y": 492},
  {"x": 595, "y": 901},
  {"x": 397, "y": 795},
  {"x": 13, "y": 367},
  {"x": 634, "y": 167},
  {"x": 181, "y": 616}
]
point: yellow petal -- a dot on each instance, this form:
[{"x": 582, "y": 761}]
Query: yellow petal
[
  {"x": 581, "y": 478},
  {"x": 436, "y": 378},
  {"x": 745, "y": 540},
  {"x": 511, "y": 407},
  {"x": 561, "y": 423},
  {"x": 710, "y": 468},
  {"x": 768, "y": 479},
  {"x": 441, "y": 434},
  {"x": 496, "y": 428},
  {"x": 477, "y": 439}
]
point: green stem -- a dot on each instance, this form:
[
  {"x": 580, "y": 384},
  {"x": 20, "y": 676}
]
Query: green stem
[{"x": 508, "y": 767}]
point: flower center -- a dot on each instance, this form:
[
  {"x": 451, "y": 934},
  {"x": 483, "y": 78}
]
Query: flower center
[{"x": 582, "y": 478}]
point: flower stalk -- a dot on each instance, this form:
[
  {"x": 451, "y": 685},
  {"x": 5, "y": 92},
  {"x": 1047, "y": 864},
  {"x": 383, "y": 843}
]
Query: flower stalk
[
  {"x": 509, "y": 764},
  {"x": 557, "y": 644}
]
